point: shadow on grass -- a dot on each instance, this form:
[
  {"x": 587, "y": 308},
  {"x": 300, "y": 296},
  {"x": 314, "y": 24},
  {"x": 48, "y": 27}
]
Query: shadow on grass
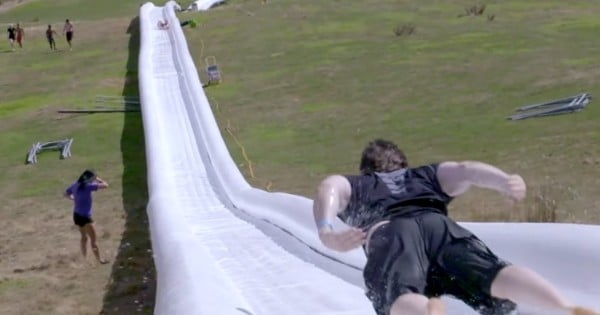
[{"x": 132, "y": 287}]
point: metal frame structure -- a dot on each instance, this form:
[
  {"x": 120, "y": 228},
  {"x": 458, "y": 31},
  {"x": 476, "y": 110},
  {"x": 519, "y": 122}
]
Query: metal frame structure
[
  {"x": 557, "y": 107},
  {"x": 63, "y": 145}
]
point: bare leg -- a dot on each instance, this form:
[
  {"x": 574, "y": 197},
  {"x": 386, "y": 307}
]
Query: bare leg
[
  {"x": 83, "y": 242},
  {"x": 524, "y": 286},
  {"x": 417, "y": 304},
  {"x": 91, "y": 232},
  {"x": 436, "y": 307}
]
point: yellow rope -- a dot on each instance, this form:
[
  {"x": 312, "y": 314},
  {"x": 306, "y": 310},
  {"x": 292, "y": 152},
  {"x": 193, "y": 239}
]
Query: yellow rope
[
  {"x": 228, "y": 129},
  {"x": 237, "y": 141}
]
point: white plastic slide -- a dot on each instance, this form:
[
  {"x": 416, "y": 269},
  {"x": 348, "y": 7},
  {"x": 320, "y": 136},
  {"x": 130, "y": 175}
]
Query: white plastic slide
[
  {"x": 203, "y": 5},
  {"x": 223, "y": 247}
]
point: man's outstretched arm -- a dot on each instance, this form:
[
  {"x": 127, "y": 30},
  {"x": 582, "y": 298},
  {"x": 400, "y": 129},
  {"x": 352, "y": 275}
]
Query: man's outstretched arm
[
  {"x": 333, "y": 195},
  {"x": 456, "y": 178}
]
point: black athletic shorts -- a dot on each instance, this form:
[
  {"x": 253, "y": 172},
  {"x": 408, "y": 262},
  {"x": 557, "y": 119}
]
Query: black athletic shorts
[
  {"x": 431, "y": 255},
  {"x": 81, "y": 220},
  {"x": 69, "y": 36}
]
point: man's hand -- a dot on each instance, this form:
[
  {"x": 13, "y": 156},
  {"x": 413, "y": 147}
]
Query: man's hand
[
  {"x": 515, "y": 188},
  {"x": 342, "y": 241}
]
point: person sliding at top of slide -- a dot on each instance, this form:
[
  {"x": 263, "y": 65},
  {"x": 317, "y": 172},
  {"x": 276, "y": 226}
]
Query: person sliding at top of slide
[{"x": 415, "y": 253}]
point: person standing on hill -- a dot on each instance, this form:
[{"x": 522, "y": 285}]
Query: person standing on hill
[
  {"x": 68, "y": 32},
  {"x": 81, "y": 193},
  {"x": 415, "y": 252},
  {"x": 20, "y": 33},
  {"x": 50, "y": 37},
  {"x": 12, "y": 36}
]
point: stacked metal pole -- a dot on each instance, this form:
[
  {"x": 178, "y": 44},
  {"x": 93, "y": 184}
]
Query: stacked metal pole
[
  {"x": 557, "y": 107},
  {"x": 63, "y": 145}
]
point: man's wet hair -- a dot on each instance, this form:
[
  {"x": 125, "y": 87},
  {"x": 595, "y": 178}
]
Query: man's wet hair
[{"x": 382, "y": 156}]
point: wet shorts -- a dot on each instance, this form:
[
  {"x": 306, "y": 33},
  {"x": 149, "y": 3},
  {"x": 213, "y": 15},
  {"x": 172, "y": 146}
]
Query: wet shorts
[
  {"x": 431, "y": 255},
  {"x": 81, "y": 220}
]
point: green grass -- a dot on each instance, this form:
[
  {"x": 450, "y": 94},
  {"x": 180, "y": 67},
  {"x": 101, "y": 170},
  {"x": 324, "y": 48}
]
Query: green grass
[
  {"x": 304, "y": 99},
  {"x": 12, "y": 284},
  {"x": 20, "y": 105},
  {"x": 56, "y": 11}
]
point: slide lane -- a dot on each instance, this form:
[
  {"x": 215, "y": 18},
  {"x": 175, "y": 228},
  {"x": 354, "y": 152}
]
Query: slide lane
[
  {"x": 210, "y": 261},
  {"x": 223, "y": 247}
]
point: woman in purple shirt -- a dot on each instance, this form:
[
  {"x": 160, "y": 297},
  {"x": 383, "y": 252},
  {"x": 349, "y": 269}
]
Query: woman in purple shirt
[{"x": 81, "y": 193}]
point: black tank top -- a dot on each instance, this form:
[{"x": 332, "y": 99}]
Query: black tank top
[{"x": 405, "y": 192}]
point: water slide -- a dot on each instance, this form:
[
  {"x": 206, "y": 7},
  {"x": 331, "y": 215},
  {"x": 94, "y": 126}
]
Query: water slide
[
  {"x": 223, "y": 247},
  {"x": 203, "y": 5}
]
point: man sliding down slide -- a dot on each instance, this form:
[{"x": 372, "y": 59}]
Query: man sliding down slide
[{"x": 415, "y": 253}]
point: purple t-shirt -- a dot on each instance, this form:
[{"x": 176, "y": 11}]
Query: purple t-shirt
[{"x": 83, "y": 198}]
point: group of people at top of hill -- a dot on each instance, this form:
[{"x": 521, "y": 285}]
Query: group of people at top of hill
[{"x": 16, "y": 35}]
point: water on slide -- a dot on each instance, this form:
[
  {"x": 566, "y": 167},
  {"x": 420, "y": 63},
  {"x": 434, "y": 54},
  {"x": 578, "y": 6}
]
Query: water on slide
[{"x": 222, "y": 238}]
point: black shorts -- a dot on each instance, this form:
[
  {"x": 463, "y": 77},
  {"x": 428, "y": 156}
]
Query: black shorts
[
  {"x": 81, "y": 220},
  {"x": 69, "y": 36},
  {"x": 431, "y": 255}
]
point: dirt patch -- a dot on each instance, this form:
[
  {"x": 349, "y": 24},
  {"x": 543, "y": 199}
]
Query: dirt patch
[{"x": 40, "y": 255}]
